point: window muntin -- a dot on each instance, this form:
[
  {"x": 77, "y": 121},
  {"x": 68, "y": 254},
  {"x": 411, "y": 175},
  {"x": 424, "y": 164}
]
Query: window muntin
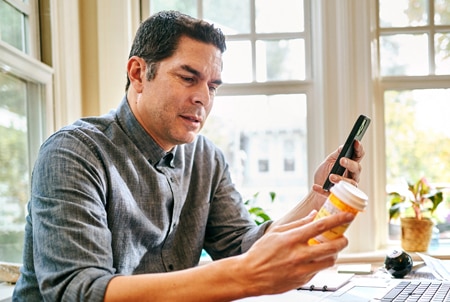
[
  {"x": 263, "y": 101},
  {"x": 23, "y": 127},
  {"x": 25, "y": 92},
  {"x": 411, "y": 42},
  {"x": 257, "y": 50}
]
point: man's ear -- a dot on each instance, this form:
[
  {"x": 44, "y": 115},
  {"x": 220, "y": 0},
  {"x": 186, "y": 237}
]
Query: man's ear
[{"x": 136, "y": 69}]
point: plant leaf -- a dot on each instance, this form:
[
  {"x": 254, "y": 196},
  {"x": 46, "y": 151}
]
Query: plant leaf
[
  {"x": 272, "y": 196},
  {"x": 436, "y": 199}
]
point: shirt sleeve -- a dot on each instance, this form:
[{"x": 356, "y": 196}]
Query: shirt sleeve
[{"x": 71, "y": 240}]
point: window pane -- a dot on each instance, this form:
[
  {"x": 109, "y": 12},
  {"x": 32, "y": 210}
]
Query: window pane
[
  {"x": 12, "y": 26},
  {"x": 264, "y": 140},
  {"x": 185, "y": 6},
  {"x": 280, "y": 60},
  {"x": 284, "y": 16},
  {"x": 237, "y": 62},
  {"x": 418, "y": 142},
  {"x": 403, "y": 13},
  {"x": 396, "y": 57},
  {"x": 442, "y": 42},
  {"x": 442, "y": 12},
  {"x": 232, "y": 16},
  {"x": 418, "y": 134},
  {"x": 14, "y": 176}
]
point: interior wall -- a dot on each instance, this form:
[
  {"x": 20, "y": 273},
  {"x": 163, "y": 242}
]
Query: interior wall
[
  {"x": 346, "y": 90},
  {"x": 65, "y": 61},
  {"x": 106, "y": 29},
  {"x": 89, "y": 58}
]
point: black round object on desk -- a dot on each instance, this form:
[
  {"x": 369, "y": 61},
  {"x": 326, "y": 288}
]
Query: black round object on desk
[{"x": 398, "y": 264}]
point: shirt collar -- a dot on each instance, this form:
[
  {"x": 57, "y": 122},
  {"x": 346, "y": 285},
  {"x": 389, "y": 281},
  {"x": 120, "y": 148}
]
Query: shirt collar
[{"x": 145, "y": 143}]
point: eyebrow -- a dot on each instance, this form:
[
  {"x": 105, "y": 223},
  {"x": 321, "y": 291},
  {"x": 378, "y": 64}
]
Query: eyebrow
[{"x": 198, "y": 74}]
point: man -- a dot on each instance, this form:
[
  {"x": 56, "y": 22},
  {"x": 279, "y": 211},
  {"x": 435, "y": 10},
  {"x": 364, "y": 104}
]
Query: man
[{"x": 122, "y": 205}]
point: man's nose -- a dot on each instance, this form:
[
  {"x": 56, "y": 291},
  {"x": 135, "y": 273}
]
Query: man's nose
[{"x": 202, "y": 96}]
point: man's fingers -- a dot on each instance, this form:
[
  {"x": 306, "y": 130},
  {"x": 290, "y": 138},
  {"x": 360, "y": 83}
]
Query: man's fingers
[
  {"x": 319, "y": 226},
  {"x": 304, "y": 229},
  {"x": 358, "y": 151},
  {"x": 297, "y": 223}
]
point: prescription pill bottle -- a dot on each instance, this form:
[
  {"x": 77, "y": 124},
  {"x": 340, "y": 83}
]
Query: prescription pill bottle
[{"x": 344, "y": 197}]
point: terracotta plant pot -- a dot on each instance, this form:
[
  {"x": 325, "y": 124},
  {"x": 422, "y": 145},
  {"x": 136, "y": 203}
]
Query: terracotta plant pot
[{"x": 416, "y": 234}]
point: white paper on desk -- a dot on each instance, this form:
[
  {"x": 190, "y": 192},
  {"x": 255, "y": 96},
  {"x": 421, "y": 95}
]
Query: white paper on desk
[
  {"x": 436, "y": 266},
  {"x": 327, "y": 281}
]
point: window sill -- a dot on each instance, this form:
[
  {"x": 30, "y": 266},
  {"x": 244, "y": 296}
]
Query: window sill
[
  {"x": 441, "y": 252},
  {"x": 6, "y": 291}
]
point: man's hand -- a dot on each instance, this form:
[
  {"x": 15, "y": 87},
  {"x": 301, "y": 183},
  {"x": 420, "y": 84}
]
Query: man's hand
[
  {"x": 352, "y": 166},
  {"x": 282, "y": 259}
]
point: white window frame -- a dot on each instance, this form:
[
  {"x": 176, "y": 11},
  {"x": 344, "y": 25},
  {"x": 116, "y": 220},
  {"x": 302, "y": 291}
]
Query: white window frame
[
  {"x": 39, "y": 77},
  {"x": 344, "y": 82},
  {"x": 39, "y": 93},
  {"x": 387, "y": 83}
]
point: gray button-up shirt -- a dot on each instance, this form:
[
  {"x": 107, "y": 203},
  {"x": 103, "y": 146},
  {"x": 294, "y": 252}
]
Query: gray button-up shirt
[{"x": 107, "y": 200}]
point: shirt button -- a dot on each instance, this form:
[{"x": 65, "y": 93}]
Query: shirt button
[{"x": 170, "y": 267}]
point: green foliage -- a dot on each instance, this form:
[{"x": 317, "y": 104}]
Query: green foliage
[
  {"x": 411, "y": 149},
  {"x": 258, "y": 214},
  {"x": 422, "y": 200},
  {"x": 14, "y": 172}
]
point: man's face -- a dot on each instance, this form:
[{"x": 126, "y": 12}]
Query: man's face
[{"x": 173, "y": 107}]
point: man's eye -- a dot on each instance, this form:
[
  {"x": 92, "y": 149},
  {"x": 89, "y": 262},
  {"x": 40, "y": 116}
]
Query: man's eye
[
  {"x": 213, "y": 89},
  {"x": 188, "y": 79}
]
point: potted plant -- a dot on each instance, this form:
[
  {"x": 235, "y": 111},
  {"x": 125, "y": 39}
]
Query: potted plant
[{"x": 415, "y": 208}]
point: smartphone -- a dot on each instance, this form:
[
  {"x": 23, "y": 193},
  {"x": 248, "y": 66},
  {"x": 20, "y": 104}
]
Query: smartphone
[{"x": 357, "y": 133}]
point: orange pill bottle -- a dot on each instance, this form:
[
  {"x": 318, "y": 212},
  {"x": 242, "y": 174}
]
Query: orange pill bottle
[{"x": 344, "y": 197}]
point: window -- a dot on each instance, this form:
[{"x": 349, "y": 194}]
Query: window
[
  {"x": 25, "y": 92},
  {"x": 264, "y": 100},
  {"x": 414, "y": 39},
  {"x": 13, "y": 26},
  {"x": 263, "y": 165},
  {"x": 289, "y": 155}
]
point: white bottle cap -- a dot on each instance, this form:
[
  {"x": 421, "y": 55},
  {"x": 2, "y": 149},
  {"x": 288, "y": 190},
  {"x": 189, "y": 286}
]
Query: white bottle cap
[{"x": 350, "y": 195}]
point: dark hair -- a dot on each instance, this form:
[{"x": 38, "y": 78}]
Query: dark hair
[{"x": 158, "y": 36}]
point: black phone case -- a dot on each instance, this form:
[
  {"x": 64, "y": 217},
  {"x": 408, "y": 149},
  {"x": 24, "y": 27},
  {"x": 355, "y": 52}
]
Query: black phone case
[{"x": 357, "y": 133}]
